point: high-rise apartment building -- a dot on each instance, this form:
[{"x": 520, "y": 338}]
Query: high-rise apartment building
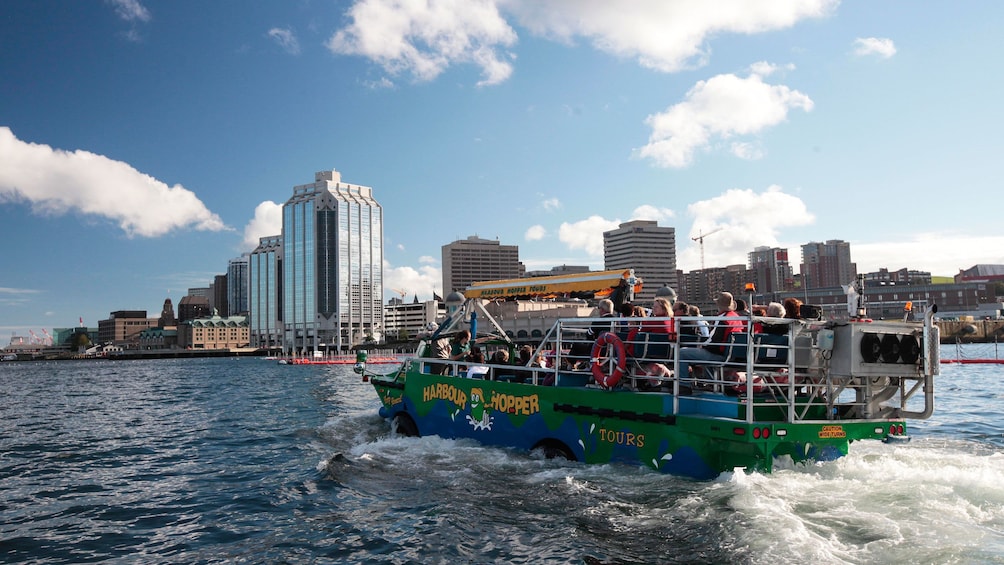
[
  {"x": 237, "y": 287},
  {"x": 771, "y": 270},
  {"x": 471, "y": 260},
  {"x": 264, "y": 293},
  {"x": 332, "y": 265},
  {"x": 647, "y": 248},
  {"x": 827, "y": 264}
]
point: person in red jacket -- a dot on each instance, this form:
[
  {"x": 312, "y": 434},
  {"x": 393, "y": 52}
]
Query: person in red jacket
[{"x": 661, "y": 308}]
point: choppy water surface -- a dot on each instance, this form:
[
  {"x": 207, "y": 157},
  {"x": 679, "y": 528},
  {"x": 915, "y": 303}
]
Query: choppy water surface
[{"x": 223, "y": 460}]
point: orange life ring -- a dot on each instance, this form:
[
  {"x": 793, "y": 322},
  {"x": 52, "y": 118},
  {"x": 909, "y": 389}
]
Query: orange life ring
[{"x": 596, "y": 363}]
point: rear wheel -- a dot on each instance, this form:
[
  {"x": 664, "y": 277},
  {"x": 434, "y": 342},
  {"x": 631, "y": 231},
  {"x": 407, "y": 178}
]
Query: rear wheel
[
  {"x": 553, "y": 449},
  {"x": 404, "y": 425}
]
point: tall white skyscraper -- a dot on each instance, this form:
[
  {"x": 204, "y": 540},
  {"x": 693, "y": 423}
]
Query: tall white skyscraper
[
  {"x": 332, "y": 265},
  {"x": 648, "y": 249}
]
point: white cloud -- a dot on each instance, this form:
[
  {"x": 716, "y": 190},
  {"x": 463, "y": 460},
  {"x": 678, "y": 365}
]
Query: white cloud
[
  {"x": 423, "y": 39},
  {"x": 550, "y": 204},
  {"x": 57, "y": 182},
  {"x": 748, "y": 150},
  {"x": 16, "y": 296},
  {"x": 721, "y": 107},
  {"x": 130, "y": 10},
  {"x": 586, "y": 234},
  {"x": 883, "y": 47},
  {"x": 535, "y": 233},
  {"x": 267, "y": 221},
  {"x": 9, "y": 290},
  {"x": 286, "y": 39},
  {"x": 649, "y": 212},
  {"x": 428, "y": 260},
  {"x": 737, "y": 222},
  {"x": 665, "y": 35},
  {"x": 422, "y": 281}
]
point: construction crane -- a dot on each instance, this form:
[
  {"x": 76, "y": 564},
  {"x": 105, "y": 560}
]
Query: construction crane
[
  {"x": 401, "y": 292},
  {"x": 700, "y": 239}
]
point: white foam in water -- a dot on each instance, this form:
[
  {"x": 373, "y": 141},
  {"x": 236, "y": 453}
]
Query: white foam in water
[{"x": 880, "y": 504}]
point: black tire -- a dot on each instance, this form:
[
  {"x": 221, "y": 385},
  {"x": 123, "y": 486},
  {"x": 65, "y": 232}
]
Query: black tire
[
  {"x": 404, "y": 425},
  {"x": 553, "y": 449}
]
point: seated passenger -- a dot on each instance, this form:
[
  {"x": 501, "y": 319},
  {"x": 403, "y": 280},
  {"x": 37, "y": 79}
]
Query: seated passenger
[
  {"x": 580, "y": 350},
  {"x": 703, "y": 329},
  {"x": 758, "y": 310},
  {"x": 792, "y": 308},
  {"x": 500, "y": 357},
  {"x": 775, "y": 310},
  {"x": 657, "y": 374},
  {"x": 661, "y": 308},
  {"x": 715, "y": 349},
  {"x": 524, "y": 355}
]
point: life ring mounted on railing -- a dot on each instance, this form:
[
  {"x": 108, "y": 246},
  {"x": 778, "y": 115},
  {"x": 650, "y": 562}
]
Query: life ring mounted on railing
[{"x": 598, "y": 363}]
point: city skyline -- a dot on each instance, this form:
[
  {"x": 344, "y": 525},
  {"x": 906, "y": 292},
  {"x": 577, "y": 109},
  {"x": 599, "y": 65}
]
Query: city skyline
[{"x": 145, "y": 144}]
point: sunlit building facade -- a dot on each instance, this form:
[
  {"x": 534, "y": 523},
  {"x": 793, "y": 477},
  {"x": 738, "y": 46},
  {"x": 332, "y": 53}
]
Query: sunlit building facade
[
  {"x": 332, "y": 273},
  {"x": 474, "y": 259},
  {"x": 827, "y": 264},
  {"x": 647, "y": 248}
]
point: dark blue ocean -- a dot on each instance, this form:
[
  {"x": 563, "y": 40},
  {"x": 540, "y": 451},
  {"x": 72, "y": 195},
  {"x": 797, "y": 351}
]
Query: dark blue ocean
[{"x": 247, "y": 461}]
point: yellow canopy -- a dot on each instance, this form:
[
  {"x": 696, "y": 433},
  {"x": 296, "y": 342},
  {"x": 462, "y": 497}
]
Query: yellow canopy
[{"x": 557, "y": 284}]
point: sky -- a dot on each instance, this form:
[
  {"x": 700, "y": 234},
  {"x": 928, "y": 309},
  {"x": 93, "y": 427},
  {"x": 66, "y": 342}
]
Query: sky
[{"x": 145, "y": 143}]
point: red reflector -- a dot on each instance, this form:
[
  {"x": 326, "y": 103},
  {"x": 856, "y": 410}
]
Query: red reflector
[
  {"x": 756, "y": 433},
  {"x": 739, "y": 431},
  {"x": 766, "y": 433}
]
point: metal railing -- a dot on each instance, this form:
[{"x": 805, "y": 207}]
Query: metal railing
[{"x": 794, "y": 373}]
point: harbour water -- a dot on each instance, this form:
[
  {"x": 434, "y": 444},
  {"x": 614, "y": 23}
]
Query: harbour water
[{"x": 247, "y": 461}]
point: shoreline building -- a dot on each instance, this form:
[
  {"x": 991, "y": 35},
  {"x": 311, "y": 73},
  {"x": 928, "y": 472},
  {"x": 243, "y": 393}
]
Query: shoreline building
[
  {"x": 471, "y": 260},
  {"x": 264, "y": 290},
  {"x": 214, "y": 333},
  {"x": 407, "y": 321},
  {"x": 124, "y": 326},
  {"x": 647, "y": 248},
  {"x": 332, "y": 274}
]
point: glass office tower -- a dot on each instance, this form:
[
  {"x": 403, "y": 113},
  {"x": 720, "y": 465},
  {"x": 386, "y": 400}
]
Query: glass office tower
[
  {"x": 332, "y": 240},
  {"x": 264, "y": 284},
  {"x": 237, "y": 286}
]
